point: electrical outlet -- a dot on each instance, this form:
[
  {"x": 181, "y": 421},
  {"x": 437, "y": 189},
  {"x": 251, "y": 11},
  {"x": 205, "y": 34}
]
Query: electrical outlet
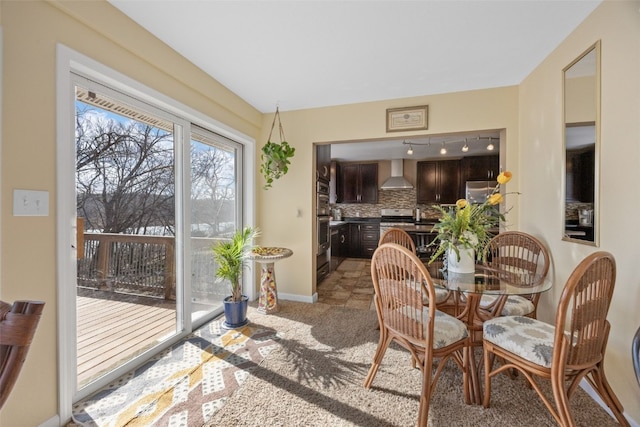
[{"x": 30, "y": 203}]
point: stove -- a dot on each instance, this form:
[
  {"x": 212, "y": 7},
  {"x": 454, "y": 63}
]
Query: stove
[{"x": 396, "y": 218}]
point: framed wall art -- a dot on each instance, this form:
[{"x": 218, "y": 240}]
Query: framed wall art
[{"x": 407, "y": 118}]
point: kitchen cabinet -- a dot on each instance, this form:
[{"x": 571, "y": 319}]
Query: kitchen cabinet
[
  {"x": 580, "y": 175},
  {"x": 438, "y": 181},
  {"x": 339, "y": 244},
  {"x": 334, "y": 183},
  {"x": 480, "y": 168},
  {"x": 323, "y": 162},
  {"x": 363, "y": 239},
  {"x": 358, "y": 183}
]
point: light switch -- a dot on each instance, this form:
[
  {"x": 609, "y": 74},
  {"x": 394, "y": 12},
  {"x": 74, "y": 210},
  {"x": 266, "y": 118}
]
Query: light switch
[{"x": 30, "y": 203}]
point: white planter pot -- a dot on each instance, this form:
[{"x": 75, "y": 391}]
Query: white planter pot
[{"x": 466, "y": 264}]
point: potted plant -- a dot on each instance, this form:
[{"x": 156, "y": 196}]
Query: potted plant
[
  {"x": 463, "y": 231},
  {"x": 275, "y": 161},
  {"x": 275, "y": 156},
  {"x": 231, "y": 257}
]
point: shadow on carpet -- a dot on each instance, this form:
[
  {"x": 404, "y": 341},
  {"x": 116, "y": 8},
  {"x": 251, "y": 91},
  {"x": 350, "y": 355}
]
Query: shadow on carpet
[{"x": 315, "y": 377}]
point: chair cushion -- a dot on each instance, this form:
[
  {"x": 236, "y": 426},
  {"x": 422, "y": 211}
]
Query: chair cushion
[
  {"x": 528, "y": 338},
  {"x": 442, "y": 295},
  {"x": 515, "y": 305},
  {"x": 446, "y": 328}
]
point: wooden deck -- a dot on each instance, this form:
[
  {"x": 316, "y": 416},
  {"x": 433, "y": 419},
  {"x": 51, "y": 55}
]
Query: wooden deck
[{"x": 113, "y": 328}]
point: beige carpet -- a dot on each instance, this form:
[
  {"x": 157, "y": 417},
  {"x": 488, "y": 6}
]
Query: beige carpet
[{"x": 314, "y": 378}]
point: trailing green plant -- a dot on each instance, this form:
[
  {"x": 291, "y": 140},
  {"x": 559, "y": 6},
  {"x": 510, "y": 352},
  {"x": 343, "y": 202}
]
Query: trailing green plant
[
  {"x": 231, "y": 257},
  {"x": 275, "y": 161},
  {"x": 275, "y": 156}
]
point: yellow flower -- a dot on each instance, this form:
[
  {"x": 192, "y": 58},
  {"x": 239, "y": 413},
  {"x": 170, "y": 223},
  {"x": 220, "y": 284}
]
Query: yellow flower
[
  {"x": 461, "y": 203},
  {"x": 495, "y": 199},
  {"x": 504, "y": 177}
]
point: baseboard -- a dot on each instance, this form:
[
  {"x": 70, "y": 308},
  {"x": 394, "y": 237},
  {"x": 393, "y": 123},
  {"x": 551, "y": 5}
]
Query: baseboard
[
  {"x": 298, "y": 298},
  {"x": 51, "y": 422},
  {"x": 584, "y": 384}
]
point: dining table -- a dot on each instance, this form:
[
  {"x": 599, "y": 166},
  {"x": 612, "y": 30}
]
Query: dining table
[{"x": 467, "y": 292}]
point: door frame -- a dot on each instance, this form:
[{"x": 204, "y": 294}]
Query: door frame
[{"x": 68, "y": 61}]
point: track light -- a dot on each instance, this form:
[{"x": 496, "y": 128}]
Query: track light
[
  {"x": 490, "y": 147},
  {"x": 443, "y": 150},
  {"x": 465, "y": 147},
  {"x": 410, "y": 150}
]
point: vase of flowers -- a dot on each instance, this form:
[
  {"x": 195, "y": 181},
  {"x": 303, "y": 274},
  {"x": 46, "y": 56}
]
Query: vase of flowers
[
  {"x": 463, "y": 231},
  {"x": 461, "y": 261}
]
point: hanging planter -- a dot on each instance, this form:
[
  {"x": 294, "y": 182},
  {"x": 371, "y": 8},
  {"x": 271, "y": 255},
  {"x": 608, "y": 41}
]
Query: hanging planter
[{"x": 275, "y": 156}]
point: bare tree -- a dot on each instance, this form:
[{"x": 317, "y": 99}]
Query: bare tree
[
  {"x": 212, "y": 186},
  {"x": 124, "y": 174}
]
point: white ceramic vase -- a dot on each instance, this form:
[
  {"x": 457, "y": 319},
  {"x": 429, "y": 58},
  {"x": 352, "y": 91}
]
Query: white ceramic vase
[{"x": 466, "y": 264}]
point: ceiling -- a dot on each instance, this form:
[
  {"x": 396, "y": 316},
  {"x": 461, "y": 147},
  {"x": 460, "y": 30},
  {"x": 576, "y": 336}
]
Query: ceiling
[{"x": 302, "y": 54}]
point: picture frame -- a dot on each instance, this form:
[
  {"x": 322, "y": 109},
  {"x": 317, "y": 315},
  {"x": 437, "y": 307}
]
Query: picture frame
[{"x": 408, "y": 118}]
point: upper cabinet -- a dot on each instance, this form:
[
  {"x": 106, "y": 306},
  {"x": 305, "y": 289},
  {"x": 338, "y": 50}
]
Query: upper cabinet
[
  {"x": 358, "y": 183},
  {"x": 438, "y": 181},
  {"x": 480, "y": 168}
]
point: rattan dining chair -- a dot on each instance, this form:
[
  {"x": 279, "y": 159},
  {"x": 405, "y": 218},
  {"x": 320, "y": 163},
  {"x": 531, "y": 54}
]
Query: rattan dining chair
[
  {"x": 18, "y": 323},
  {"x": 566, "y": 353},
  {"x": 400, "y": 281},
  {"x": 399, "y": 236},
  {"x": 402, "y": 238},
  {"x": 516, "y": 252}
]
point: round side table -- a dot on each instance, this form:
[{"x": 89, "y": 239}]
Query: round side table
[{"x": 267, "y": 256}]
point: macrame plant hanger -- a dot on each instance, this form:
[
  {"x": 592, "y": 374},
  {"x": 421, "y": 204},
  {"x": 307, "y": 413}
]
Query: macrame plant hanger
[{"x": 277, "y": 116}]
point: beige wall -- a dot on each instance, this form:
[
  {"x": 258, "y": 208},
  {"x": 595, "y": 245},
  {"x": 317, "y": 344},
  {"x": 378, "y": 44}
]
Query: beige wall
[
  {"x": 531, "y": 115},
  {"x": 285, "y": 211},
  {"x": 617, "y": 24},
  {"x": 31, "y": 31}
]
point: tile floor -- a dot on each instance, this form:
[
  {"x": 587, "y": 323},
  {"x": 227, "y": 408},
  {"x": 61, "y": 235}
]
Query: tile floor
[{"x": 349, "y": 285}]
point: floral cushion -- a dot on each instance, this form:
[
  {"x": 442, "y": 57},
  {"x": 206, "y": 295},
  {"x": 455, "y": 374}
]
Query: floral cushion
[
  {"x": 515, "y": 305},
  {"x": 446, "y": 328},
  {"x": 442, "y": 295},
  {"x": 528, "y": 338}
]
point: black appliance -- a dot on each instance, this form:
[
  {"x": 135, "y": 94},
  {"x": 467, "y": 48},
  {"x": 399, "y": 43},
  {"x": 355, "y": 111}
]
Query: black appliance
[{"x": 323, "y": 230}]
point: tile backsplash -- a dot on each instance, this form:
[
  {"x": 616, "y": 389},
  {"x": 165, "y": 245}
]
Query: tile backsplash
[
  {"x": 387, "y": 199},
  {"x": 571, "y": 209}
]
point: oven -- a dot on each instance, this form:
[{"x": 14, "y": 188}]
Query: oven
[
  {"x": 322, "y": 199},
  {"x": 398, "y": 218},
  {"x": 404, "y": 219},
  {"x": 324, "y": 234},
  {"x": 323, "y": 230}
]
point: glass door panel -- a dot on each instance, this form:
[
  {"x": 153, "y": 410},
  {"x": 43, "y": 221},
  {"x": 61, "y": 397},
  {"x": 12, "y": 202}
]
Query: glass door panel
[
  {"x": 215, "y": 215},
  {"x": 125, "y": 200}
]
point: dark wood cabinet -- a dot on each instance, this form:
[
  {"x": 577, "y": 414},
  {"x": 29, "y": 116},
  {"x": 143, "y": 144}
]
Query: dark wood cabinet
[
  {"x": 323, "y": 162},
  {"x": 339, "y": 244},
  {"x": 358, "y": 183},
  {"x": 580, "y": 175},
  {"x": 363, "y": 239},
  {"x": 480, "y": 168},
  {"x": 335, "y": 195},
  {"x": 438, "y": 181}
]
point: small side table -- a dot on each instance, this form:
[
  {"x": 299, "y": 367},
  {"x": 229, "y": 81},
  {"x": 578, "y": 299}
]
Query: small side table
[{"x": 267, "y": 256}]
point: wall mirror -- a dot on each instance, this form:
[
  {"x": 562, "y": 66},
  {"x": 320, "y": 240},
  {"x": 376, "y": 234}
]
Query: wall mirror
[{"x": 581, "y": 90}]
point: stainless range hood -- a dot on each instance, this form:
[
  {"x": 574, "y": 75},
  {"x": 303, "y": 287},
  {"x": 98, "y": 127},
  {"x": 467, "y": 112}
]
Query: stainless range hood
[{"x": 396, "y": 181}]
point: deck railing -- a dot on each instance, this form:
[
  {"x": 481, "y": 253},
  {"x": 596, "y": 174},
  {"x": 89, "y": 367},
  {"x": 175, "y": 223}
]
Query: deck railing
[{"x": 138, "y": 264}]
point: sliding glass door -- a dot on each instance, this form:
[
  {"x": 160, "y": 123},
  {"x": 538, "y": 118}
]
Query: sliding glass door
[{"x": 153, "y": 193}]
